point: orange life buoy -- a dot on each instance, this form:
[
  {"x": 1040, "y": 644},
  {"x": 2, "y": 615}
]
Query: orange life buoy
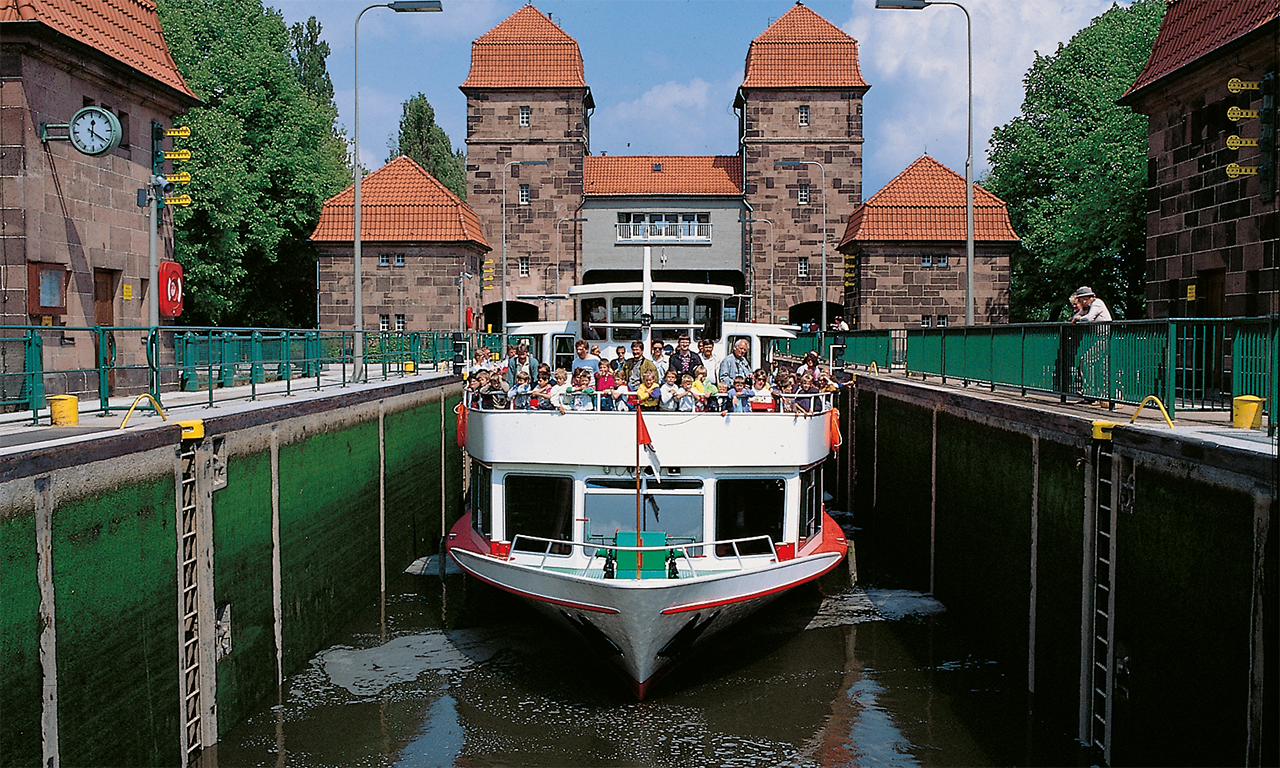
[
  {"x": 834, "y": 438},
  {"x": 461, "y": 410}
]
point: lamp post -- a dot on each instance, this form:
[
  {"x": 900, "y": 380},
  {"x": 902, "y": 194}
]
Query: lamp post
[
  {"x": 772, "y": 258},
  {"x": 460, "y": 280},
  {"x": 503, "y": 329},
  {"x": 822, "y": 170},
  {"x": 557, "y": 264},
  {"x": 920, "y": 5},
  {"x": 399, "y": 6}
]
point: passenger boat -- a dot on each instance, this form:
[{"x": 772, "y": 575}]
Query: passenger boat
[{"x": 647, "y": 532}]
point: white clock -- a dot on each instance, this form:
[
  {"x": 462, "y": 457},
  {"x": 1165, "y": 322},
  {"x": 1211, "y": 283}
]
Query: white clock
[{"x": 94, "y": 131}]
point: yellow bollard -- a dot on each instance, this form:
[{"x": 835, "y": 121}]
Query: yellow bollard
[
  {"x": 408, "y": 367},
  {"x": 1246, "y": 412},
  {"x": 64, "y": 410}
]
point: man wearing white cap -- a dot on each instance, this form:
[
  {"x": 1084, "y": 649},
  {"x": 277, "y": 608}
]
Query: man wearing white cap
[{"x": 1092, "y": 310}]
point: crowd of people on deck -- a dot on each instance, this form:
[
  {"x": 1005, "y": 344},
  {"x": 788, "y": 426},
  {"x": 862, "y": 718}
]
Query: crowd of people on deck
[{"x": 667, "y": 379}]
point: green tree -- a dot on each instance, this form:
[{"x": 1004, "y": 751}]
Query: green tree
[
  {"x": 1072, "y": 168},
  {"x": 426, "y": 144},
  {"x": 308, "y": 53},
  {"x": 265, "y": 156}
]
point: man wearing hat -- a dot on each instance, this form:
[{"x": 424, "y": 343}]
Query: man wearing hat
[{"x": 1092, "y": 310}]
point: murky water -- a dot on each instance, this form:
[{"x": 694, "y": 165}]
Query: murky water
[{"x": 467, "y": 676}]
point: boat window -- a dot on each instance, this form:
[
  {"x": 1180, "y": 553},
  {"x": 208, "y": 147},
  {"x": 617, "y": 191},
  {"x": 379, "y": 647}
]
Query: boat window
[
  {"x": 481, "y": 498},
  {"x": 748, "y": 507},
  {"x": 562, "y": 353},
  {"x": 626, "y": 309},
  {"x": 707, "y": 312},
  {"x": 594, "y": 311},
  {"x": 672, "y": 506},
  {"x": 542, "y": 506},
  {"x": 670, "y": 310},
  {"x": 811, "y": 502}
]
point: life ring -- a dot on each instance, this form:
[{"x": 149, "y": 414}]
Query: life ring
[
  {"x": 461, "y": 422},
  {"x": 834, "y": 439}
]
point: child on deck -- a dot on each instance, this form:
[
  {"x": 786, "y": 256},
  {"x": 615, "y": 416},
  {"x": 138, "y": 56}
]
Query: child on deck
[
  {"x": 721, "y": 401},
  {"x": 606, "y": 383},
  {"x": 689, "y": 402},
  {"x": 671, "y": 392},
  {"x": 580, "y": 395},
  {"x": 806, "y": 404},
  {"x": 522, "y": 392},
  {"x": 555, "y": 399},
  {"x": 648, "y": 392},
  {"x": 741, "y": 395},
  {"x": 542, "y": 391},
  {"x": 762, "y": 399},
  {"x": 493, "y": 391}
]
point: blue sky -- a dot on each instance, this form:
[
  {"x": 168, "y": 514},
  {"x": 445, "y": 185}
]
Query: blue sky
[{"x": 663, "y": 72}]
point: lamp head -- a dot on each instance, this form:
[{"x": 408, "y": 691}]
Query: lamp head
[
  {"x": 902, "y": 5},
  {"x": 415, "y": 6}
]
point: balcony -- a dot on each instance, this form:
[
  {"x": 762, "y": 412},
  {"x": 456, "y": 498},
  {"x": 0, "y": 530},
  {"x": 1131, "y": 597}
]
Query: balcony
[{"x": 670, "y": 232}]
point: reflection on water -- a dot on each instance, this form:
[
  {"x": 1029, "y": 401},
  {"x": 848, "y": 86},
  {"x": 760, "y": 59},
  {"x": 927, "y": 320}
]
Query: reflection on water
[{"x": 469, "y": 677}]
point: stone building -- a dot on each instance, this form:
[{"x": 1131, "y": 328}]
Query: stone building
[
  {"x": 74, "y": 248},
  {"x": 528, "y": 139},
  {"x": 1211, "y": 233},
  {"x": 905, "y": 253},
  {"x": 421, "y": 256}
]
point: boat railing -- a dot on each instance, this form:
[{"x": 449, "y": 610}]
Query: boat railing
[
  {"x": 779, "y": 402},
  {"x": 678, "y": 547}
]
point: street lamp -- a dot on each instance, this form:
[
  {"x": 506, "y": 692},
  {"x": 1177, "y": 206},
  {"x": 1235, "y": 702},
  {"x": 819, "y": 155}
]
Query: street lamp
[
  {"x": 772, "y": 258},
  {"x": 400, "y": 6},
  {"x": 823, "y": 176},
  {"x": 557, "y": 265},
  {"x": 503, "y": 329},
  {"x": 460, "y": 281},
  {"x": 920, "y": 5}
]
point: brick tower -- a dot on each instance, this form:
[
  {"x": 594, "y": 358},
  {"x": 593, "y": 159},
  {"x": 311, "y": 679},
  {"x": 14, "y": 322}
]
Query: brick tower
[
  {"x": 527, "y": 100},
  {"x": 800, "y": 99}
]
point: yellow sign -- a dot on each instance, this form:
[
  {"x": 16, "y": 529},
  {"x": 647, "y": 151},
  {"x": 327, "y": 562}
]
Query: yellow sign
[
  {"x": 185, "y": 154},
  {"x": 1191, "y": 293},
  {"x": 1236, "y": 85},
  {"x": 46, "y": 320},
  {"x": 128, "y": 292},
  {"x": 1235, "y": 142},
  {"x": 178, "y": 178},
  {"x": 182, "y": 132},
  {"x": 182, "y": 200},
  {"x": 1236, "y": 114},
  {"x": 1235, "y": 169}
]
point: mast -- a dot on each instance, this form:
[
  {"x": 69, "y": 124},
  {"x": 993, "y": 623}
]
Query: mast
[{"x": 646, "y": 298}]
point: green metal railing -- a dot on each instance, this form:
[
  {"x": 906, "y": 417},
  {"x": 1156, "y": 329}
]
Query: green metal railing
[{"x": 1190, "y": 364}]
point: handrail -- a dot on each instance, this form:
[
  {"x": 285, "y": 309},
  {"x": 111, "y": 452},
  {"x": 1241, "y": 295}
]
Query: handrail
[
  {"x": 154, "y": 404},
  {"x": 668, "y": 547},
  {"x": 1156, "y": 400}
]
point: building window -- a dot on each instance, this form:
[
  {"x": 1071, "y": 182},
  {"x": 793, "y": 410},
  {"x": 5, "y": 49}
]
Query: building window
[
  {"x": 802, "y": 269},
  {"x": 804, "y": 114},
  {"x": 664, "y": 226},
  {"x": 525, "y": 114},
  {"x": 384, "y": 259},
  {"x": 384, "y": 323},
  {"x": 942, "y": 321},
  {"x": 46, "y": 289},
  {"x": 524, "y": 266},
  {"x": 804, "y": 194},
  {"x": 926, "y": 261},
  {"x": 926, "y": 321},
  {"x": 399, "y": 260},
  {"x": 941, "y": 261},
  {"x": 400, "y": 323},
  {"x": 524, "y": 194}
]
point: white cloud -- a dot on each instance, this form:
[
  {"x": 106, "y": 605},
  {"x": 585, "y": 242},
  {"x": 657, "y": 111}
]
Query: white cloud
[{"x": 688, "y": 118}]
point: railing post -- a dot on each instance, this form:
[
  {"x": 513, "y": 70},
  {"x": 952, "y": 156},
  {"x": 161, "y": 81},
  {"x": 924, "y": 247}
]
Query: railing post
[
  {"x": 226, "y": 360},
  {"x": 184, "y": 351},
  {"x": 311, "y": 351},
  {"x": 104, "y": 366},
  {"x": 1170, "y": 385},
  {"x": 33, "y": 367}
]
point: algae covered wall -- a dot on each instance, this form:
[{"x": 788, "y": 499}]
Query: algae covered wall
[
  {"x": 323, "y": 486},
  {"x": 993, "y": 507}
]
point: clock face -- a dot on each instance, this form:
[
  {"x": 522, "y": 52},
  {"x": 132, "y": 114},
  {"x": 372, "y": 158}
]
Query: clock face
[{"x": 95, "y": 131}]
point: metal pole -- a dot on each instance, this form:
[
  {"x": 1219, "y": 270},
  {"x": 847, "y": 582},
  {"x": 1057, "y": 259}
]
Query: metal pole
[
  {"x": 357, "y": 284},
  {"x": 822, "y": 170},
  {"x": 968, "y": 182},
  {"x": 503, "y": 327},
  {"x": 153, "y": 259}
]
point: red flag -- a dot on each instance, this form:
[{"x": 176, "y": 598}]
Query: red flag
[{"x": 642, "y": 432}]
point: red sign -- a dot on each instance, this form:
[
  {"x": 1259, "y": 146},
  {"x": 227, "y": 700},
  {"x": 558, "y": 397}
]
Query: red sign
[{"x": 170, "y": 275}]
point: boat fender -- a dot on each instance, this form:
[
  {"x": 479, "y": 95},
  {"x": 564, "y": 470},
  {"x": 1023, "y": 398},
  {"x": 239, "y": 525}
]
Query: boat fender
[
  {"x": 461, "y": 411},
  {"x": 834, "y": 438}
]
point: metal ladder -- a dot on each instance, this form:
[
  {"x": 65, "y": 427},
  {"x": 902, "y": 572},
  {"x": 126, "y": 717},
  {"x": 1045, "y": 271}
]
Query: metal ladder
[
  {"x": 1103, "y": 667},
  {"x": 188, "y": 530}
]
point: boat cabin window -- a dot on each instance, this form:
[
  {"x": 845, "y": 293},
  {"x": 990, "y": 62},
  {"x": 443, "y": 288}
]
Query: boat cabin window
[
  {"x": 811, "y": 502},
  {"x": 670, "y": 310},
  {"x": 481, "y": 498},
  {"x": 562, "y": 353},
  {"x": 708, "y": 312},
  {"x": 747, "y": 507},
  {"x": 626, "y": 309},
  {"x": 594, "y": 311},
  {"x": 672, "y": 506},
  {"x": 541, "y": 506}
]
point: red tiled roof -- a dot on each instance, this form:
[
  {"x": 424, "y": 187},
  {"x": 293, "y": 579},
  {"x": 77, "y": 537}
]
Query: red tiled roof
[
  {"x": 1193, "y": 28},
  {"x": 126, "y": 30},
  {"x": 399, "y": 202},
  {"x": 926, "y": 202},
  {"x": 803, "y": 50},
  {"x": 718, "y": 175},
  {"x": 526, "y": 50}
]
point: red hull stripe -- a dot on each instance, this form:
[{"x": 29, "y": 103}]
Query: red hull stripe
[
  {"x": 744, "y": 598},
  {"x": 534, "y": 595}
]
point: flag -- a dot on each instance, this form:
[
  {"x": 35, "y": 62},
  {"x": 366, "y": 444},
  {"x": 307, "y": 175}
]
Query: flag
[{"x": 644, "y": 441}]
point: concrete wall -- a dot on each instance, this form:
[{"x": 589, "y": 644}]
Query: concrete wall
[
  {"x": 339, "y": 489},
  {"x": 990, "y": 506},
  {"x": 601, "y": 248}
]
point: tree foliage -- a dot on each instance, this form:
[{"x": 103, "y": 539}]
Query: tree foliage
[
  {"x": 1072, "y": 168},
  {"x": 265, "y": 156},
  {"x": 426, "y": 144}
]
